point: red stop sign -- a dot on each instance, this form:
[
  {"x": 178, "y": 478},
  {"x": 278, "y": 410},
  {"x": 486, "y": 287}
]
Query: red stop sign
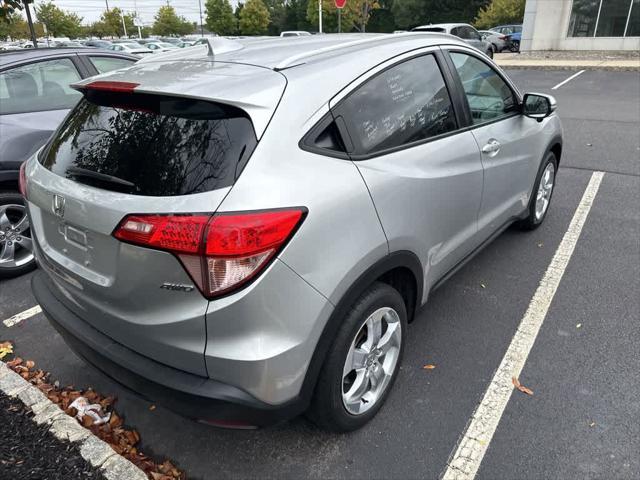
[{"x": 340, "y": 3}]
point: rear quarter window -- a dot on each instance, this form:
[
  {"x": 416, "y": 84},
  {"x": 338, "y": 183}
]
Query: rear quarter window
[{"x": 151, "y": 145}]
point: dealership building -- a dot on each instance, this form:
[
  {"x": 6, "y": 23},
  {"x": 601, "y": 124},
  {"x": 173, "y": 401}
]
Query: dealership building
[{"x": 581, "y": 25}]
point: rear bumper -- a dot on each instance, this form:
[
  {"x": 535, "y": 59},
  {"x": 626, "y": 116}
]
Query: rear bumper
[{"x": 185, "y": 393}]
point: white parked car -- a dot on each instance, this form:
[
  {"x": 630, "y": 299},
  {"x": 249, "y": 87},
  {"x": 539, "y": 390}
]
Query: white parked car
[
  {"x": 159, "y": 47},
  {"x": 295, "y": 33},
  {"x": 132, "y": 48}
]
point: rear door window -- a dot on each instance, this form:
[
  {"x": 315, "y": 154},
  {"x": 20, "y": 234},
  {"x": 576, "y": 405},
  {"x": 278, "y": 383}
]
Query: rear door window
[
  {"x": 39, "y": 86},
  {"x": 406, "y": 103},
  {"x": 106, "y": 64},
  {"x": 152, "y": 145}
]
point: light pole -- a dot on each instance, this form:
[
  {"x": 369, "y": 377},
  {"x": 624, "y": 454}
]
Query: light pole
[
  {"x": 201, "y": 26},
  {"x": 319, "y": 16},
  {"x": 30, "y": 21},
  {"x": 124, "y": 27}
]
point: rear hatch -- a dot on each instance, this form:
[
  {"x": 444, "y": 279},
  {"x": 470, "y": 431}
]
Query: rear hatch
[{"x": 129, "y": 150}]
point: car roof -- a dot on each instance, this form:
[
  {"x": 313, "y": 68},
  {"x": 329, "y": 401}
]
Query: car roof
[
  {"x": 8, "y": 57},
  {"x": 285, "y": 52}
]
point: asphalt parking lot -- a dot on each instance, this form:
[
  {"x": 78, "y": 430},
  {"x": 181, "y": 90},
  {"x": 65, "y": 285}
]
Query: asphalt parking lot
[{"x": 581, "y": 422}]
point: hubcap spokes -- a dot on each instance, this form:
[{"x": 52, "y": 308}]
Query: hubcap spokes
[
  {"x": 371, "y": 360},
  {"x": 16, "y": 247},
  {"x": 545, "y": 189}
]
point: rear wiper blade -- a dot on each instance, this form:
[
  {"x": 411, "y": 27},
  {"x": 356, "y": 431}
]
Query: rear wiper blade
[{"x": 83, "y": 172}]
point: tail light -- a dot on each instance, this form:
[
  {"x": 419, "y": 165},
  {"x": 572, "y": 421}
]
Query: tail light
[
  {"x": 22, "y": 182},
  {"x": 503, "y": 37},
  {"x": 220, "y": 252}
]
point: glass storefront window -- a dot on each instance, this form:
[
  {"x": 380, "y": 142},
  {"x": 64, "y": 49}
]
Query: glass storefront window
[
  {"x": 633, "y": 27},
  {"x": 604, "y": 18},
  {"x": 613, "y": 18},
  {"x": 583, "y": 18}
]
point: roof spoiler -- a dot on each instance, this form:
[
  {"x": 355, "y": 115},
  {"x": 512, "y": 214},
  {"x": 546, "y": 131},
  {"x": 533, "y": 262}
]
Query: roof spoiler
[{"x": 214, "y": 46}]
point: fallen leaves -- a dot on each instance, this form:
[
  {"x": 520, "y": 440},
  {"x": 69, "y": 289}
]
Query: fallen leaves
[
  {"x": 522, "y": 388},
  {"x": 428, "y": 366},
  {"x": 6, "y": 348},
  {"x": 122, "y": 439}
]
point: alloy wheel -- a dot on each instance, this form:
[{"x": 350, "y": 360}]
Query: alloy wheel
[
  {"x": 371, "y": 360},
  {"x": 545, "y": 189},
  {"x": 16, "y": 247}
]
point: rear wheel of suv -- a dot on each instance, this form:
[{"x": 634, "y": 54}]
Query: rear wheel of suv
[
  {"x": 16, "y": 250},
  {"x": 542, "y": 193},
  {"x": 363, "y": 362}
]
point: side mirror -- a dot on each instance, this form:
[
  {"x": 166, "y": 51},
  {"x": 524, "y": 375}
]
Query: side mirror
[{"x": 538, "y": 105}]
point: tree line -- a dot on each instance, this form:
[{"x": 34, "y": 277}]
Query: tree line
[{"x": 269, "y": 17}]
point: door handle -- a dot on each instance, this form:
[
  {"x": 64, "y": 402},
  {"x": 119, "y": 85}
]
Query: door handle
[{"x": 492, "y": 147}]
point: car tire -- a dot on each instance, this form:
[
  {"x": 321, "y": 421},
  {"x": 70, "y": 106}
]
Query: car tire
[
  {"x": 337, "y": 404},
  {"x": 19, "y": 259},
  {"x": 541, "y": 195},
  {"x": 515, "y": 47},
  {"x": 490, "y": 52}
]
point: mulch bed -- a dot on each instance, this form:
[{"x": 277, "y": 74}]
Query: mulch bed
[{"x": 29, "y": 452}]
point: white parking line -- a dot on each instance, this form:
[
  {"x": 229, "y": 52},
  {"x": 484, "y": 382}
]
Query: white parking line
[
  {"x": 465, "y": 462},
  {"x": 568, "y": 80},
  {"x": 10, "y": 322}
]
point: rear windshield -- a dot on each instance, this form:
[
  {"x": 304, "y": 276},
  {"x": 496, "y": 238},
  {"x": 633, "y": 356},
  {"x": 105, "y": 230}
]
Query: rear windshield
[{"x": 151, "y": 145}]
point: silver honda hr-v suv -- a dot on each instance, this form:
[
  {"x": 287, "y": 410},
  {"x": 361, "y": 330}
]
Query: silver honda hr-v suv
[{"x": 243, "y": 231}]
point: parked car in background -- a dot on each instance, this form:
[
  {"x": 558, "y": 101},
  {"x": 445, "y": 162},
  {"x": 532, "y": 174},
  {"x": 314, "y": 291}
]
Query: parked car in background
[
  {"x": 461, "y": 30},
  {"x": 69, "y": 44},
  {"x": 130, "y": 48},
  {"x": 188, "y": 244},
  {"x": 187, "y": 43},
  {"x": 294, "y": 33},
  {"x": 34, "y": 98},
  {"x": 514, "y": 32},
  {"x": 98, "y": 43},
  {"x": 171, "y": 40},
  {"x": 498, "y": 41},
  {"x": 159, "y": 47}
]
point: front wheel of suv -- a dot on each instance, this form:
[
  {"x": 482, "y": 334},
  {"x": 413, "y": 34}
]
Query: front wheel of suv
[
  {"x": 542, "y": 193},
  {"x": 363, "y": 362},
  {"x": 16, "y": 250}
]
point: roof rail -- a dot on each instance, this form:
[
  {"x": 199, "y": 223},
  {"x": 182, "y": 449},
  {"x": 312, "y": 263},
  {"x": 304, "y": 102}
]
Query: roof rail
[{"x": 298, "y": 59}]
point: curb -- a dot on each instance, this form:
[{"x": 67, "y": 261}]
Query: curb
[
  {"x": 96, "y": 452},
  {"x": 575, "y": 68}
]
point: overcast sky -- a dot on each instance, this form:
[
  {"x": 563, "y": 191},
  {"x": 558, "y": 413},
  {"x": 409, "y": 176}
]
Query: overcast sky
[{"x": 91, "y": 10}]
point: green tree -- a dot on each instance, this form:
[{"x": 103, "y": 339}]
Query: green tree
[
  {"x": 355, "y": 14},
  {"x": 254, "y": 18},
  {"x": 167, "y": 22},
  {"x": 110, "y": 24},
  {"x": 220, "y": 18},
  {"x": 500, "y": 11},
  {"x": 277, "y": 15},
  {"x": 410, "y": 13},
  {"x": 15, "y": 26},
  {"x": 59, "y": 23},
  {"x": 382, "y": 20},
  {"x": 8, "y": 8}
]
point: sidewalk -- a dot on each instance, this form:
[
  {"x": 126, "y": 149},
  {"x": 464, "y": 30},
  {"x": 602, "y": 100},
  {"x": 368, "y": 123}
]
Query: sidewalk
[{"x": 570, "y": 61}]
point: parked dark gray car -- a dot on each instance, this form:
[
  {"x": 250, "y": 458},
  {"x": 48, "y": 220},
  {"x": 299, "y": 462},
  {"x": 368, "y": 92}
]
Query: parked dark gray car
[{"x": 34, "y": 98}]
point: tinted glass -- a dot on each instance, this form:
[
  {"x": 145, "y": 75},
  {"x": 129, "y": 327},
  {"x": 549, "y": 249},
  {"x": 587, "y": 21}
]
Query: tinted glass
[
  {"x": 613, "y": 18},
  {"x": 582, "y": 22},
  {"x": 106, "y": 64},
  {"x": 151, "y": 145},
  {"x": 406, "y": 103},
  {"x": 38, "y": 87},
  {"x": 488, "y": 94}
]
